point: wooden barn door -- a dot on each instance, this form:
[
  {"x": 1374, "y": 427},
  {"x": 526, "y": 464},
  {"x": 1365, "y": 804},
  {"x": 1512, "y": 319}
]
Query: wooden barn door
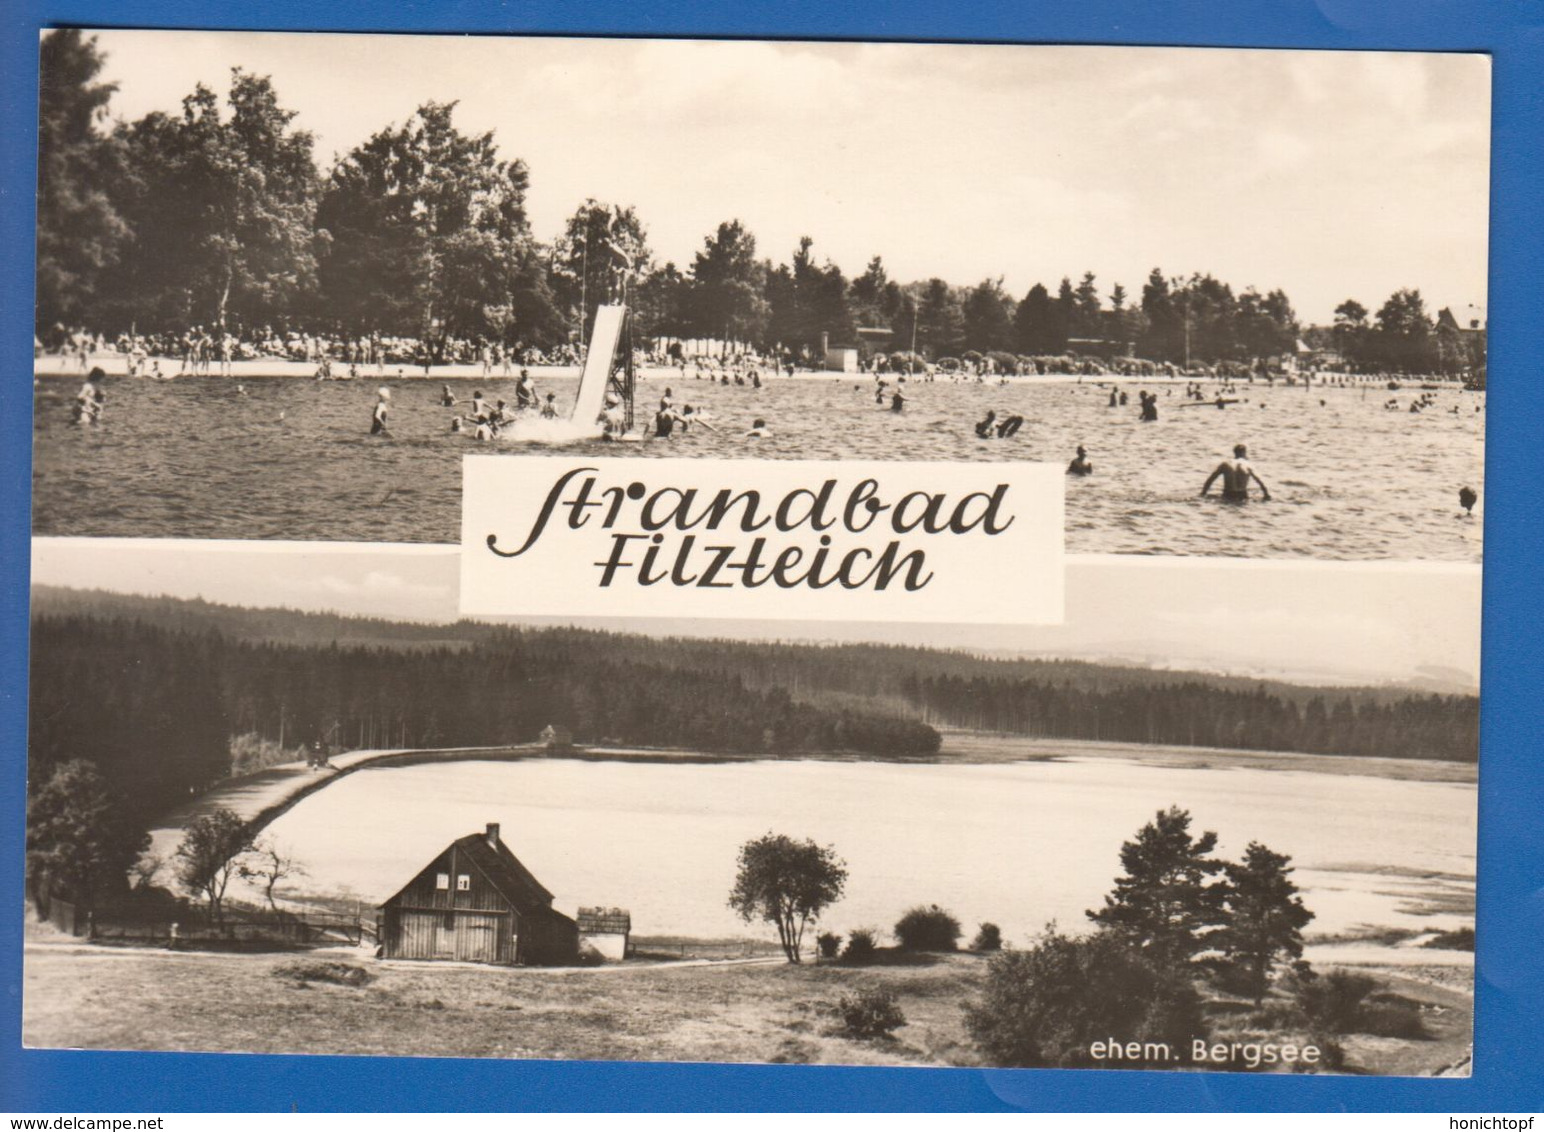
[{"x": 478, "y": 939}]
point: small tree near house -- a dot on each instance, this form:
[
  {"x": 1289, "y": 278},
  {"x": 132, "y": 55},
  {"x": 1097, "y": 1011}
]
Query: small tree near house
[
  {"x": 210, "y": 854},
  {"x": 268, "y": 863},
  {"x": 787, "y": 883}
]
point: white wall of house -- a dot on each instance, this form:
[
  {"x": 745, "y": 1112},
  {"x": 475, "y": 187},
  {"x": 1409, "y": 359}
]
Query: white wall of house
[{"x": 612, "y": 945}]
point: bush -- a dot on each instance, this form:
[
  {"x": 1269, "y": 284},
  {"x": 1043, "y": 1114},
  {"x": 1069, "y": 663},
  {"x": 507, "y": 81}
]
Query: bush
[
  {"x": 1461, "y": 939},
  {"x": 989, "y": 937},
  {"x": 860, "y": 946},
  {"x": 250, "y": 752},
  {"x": 870, "y": 1014},
  {"x": 927, "y": 929},
  {"x": 1401, "y": 1019},
  {"x": 1276, "y": 1016},
  {"x": 1003, "y": 362},
  {"x": 829, "y": 943},
  {"x": 1333, "y": 1002},
  {"x": 1045, "y": 1006}
]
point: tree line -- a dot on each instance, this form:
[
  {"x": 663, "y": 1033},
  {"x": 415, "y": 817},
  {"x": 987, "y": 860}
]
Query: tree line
[
  {"x": 219, "y": 216},
  {"x": 156, "y": 709},
  {"x": 1196, "y": 714},
  {"x": 117, "y": 676}
]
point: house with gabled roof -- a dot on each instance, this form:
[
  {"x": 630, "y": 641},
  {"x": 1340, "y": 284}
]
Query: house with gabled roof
[{"x": 475, "y": 902}]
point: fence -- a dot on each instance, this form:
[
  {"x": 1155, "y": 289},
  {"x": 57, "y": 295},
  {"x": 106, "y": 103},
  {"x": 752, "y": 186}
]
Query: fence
[
  {"x": 240, "y": 929},
  {"x": 671, "y": 948}
]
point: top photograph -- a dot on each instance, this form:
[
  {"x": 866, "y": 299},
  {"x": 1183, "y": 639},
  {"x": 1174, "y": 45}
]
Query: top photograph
[{"x": 285, "y": 282}]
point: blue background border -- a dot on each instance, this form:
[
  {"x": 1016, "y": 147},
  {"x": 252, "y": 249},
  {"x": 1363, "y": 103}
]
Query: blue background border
[{"x": 1509, "y": 1046}]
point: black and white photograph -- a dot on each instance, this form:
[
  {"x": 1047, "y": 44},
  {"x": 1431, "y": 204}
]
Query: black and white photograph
[
  {"x": 287, "y": 281},
  {"x": 1225, "y": 802},
  {"x": 1195, "y": 792}
]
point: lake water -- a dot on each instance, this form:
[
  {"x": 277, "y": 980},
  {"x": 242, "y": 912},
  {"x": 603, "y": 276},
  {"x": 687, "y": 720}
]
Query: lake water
[
  {"x": 291, "y": 459},
  {"x": 1019, "y": 844}
]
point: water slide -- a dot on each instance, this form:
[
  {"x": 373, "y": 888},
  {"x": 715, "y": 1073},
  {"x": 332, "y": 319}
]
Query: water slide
[
  {"x": 597, "y": 363},
  {"x": 593, "y": 382}
]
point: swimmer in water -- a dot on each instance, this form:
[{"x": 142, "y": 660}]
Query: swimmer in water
[
  {"x": 1080, "y": 465},
  {"x": 382, "y": 407},
  {"x": 85, "y": 403},
  {"x": 691, "y": 416},
  {"x": 665, "y": 421},
  {"x": 1467, "y": 498},
  {"x": 447, "y": 398},
  {"x": 549, "y": 410},
  {"x": 525, "y": 391},
  {"x": 1235, "y": 475},
  {"x": 759, "y": 430}
]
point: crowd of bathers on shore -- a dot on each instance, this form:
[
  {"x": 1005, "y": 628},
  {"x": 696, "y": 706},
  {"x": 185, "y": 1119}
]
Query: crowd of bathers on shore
[{"x": 202, "y": 351}]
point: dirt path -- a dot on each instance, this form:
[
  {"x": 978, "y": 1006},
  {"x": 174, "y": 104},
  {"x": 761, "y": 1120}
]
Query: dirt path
[{"x": 260, "y": 798}]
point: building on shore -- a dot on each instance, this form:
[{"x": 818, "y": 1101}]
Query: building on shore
[
  {"x": 606, "y": 931},
  {"x": 475, "y": 902}
]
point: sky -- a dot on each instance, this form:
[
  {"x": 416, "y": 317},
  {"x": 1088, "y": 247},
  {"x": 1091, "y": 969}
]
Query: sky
[
  {"x": 1416, "y": 624},
  {"x": 1331, "y": 175}
]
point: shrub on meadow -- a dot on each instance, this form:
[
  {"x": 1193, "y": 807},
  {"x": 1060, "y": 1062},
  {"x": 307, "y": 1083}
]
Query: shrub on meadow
[
  {"x": 1048, "y": 1005},
  {"x": 989, "y": 937},
  {"x": 860, "y": 946},
  {"x": 927, "y": 929},
  {"x": 870, "y": 1013}
]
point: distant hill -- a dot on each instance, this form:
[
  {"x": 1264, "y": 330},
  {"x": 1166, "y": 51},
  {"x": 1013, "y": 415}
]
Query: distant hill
[
  {"x": 805, "y": 670},
  {"x": 155, "y": 690}
]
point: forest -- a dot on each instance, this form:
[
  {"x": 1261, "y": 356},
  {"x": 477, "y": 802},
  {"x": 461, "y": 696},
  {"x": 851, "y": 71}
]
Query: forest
[
  {"x": 216, "y": 214},
  {"x": 154, "y": 691}
]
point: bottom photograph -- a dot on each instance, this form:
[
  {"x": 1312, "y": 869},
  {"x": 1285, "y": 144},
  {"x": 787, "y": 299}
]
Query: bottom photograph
[{"x": 283, "y": 799}]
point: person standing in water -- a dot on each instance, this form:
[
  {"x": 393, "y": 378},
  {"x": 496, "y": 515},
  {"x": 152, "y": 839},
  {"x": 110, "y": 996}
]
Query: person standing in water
[
  {"x": 1235, "y": 475},
  {"x": 525, "y": 391},
  {"x": 1080, "y": 465},
  {"x": 378, "y": 418}
]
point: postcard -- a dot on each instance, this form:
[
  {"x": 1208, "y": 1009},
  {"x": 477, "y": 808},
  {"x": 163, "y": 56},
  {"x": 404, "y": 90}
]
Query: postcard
[{"x": 757, "y": 552}]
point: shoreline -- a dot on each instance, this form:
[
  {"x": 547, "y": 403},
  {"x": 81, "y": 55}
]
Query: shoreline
[
  {"x": 55, "y": 366},
  {"x": 261, "y": 797}
]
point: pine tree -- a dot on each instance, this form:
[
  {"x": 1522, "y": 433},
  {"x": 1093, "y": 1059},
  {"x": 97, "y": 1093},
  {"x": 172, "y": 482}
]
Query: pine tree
[
  {"x": 1263, "y": 917},
  {"x": 1166, "y": 905}
]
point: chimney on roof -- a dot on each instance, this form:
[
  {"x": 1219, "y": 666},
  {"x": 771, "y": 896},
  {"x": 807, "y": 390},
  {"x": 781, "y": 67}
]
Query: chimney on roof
[{"x": 493, "y": 835}]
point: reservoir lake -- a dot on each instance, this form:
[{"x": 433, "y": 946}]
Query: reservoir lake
[{"x": 1019, "y": 844}]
